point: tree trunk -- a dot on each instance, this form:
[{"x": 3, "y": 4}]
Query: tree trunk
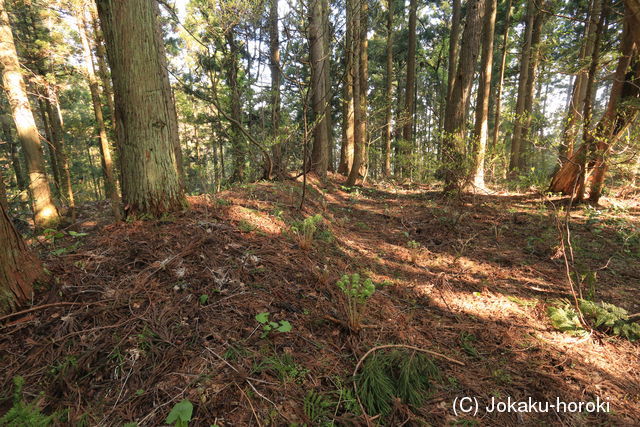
[
  {"x": 388, "y": 92},
  {"x": 454, "y": 169},
  {"x": 515, "y": 158},
  {"x": 409, "y": 102},
  {"x": 503, "y": 61},
  {"x": 21, "y": 179},
  {"x": 238, "y": 148},
  {"x": 45, "y": 212},
  {"x": 274, "y": 65},
  {"x": 53, "y": 110},
  {"x": 319, "y": 157},
  {"x": 110, "y": 187},
  {"x": 362, "y": 78},
  {"x": 619, "y": 113},
  {"x": 576, "y": 105},
  {"x": 144, "y": 107},
  {"x": 454, "y": 45},
  {"x": 326, "y": 37},
  {"x": 348, "y": 116},
  {"x": 481, "y": 129},
  {"x": 19, "y": 269}
]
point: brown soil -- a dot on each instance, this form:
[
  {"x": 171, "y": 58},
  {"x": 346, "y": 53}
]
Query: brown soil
[{"x": 140, "y": 337}]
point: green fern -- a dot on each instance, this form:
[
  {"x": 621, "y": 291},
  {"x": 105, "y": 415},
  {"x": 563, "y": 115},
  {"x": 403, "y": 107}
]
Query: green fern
[
  {"x": 606, "y": 317},
  {"x": 316, "y": 406}
]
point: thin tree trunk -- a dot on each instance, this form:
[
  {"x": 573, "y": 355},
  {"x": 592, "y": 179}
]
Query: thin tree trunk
[
  {"x": 147, "y": 123},
  {"x": 515, "y": 158},
  {"x": 21, "y": 179},
  {"x": 111, "y": 188},
  {"x": 274, "y": 66},
  {"x": 388, "y": 92},
  {"x": 503, "y": 61},
  {"x": 326, "y": 37},
  {"x": 576, "y": 105},
  {"x": 454, "y": 46},
  {"x": 481, "y": 129},
  {"x": 45, "y": 212},
  {"x": 238, "y": 149},
  {"x": 409, "y": 106}
]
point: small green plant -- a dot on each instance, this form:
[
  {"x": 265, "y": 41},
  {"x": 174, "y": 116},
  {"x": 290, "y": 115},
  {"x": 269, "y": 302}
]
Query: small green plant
[
  {"x": 180, "y": 414},
  {"x": 204, "y": 299},
  {"x": 316, "y": 407},
  {"x": 466, "y": 342},
  {"x": 401, "y": 374},
  {"x": 357, "y": 292},
  {"x": 24, "y": 414},
  {"x": 414, "y": 249},
  {"x": 283, "y": 366},
  {"x": 606, "y": 317},
  {"x": 269, "y": 326},
  {"x": 305, "y": 230}
]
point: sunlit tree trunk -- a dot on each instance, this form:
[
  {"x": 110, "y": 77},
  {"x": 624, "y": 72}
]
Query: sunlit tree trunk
[
  {"x": 348, "y": 112},
  {"x": 481, "y": 130},
  {"x": 19, "y": 269},
  {"x": 362, "y": 89},
  {"x": 45, "y": 212},
  {"x": 111, "y": 188},
  {"x": 146, "y": 116}
]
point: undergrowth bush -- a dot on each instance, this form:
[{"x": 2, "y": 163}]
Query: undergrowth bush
[
  {"x": 387, "y": 375},
  {"x": 605, "y": 317},
  {"x": 305, "y": 230},
  {"x": 357, "y": 291},
  {"x": 22, "y": 413}
]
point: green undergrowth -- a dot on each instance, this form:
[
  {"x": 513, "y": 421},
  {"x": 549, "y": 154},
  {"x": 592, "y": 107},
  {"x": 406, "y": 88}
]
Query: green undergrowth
[
  {"x": 602, "y": 316},
  {"x": 396, "y": 374}
]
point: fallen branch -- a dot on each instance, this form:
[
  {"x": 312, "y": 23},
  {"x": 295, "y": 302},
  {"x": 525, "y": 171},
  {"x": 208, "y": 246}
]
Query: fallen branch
[{"x": 41, "y": 307}]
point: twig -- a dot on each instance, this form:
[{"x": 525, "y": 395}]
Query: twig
[
  {"x": 40, "y": 307},
  {"x": 250, "y": 404}
]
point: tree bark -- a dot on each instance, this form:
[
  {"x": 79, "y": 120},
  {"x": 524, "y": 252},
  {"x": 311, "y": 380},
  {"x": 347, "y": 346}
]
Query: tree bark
[
  {"x": 362, "y": 78},
  {"x": 19, "y": 269},
  {"x": 45, "y": 212},
  {"x": 274, "y": 65},
  {"x": 388, "y": 132},
  {"x": 145, "y": 112},
  {"x": 348, "y": 115},
  {"x": 238, "y": 147},
  {"x": 454, "y": 168},
  {"x": 515, "y": 158},
  {"x": 481, "y": 129},
  {"x": 319, "y": 152},
  {"x": 503, "y": 61},
  {"x": 454, "y": 45},
  {"x": 21, "y": 179},
  {"x": 326, "y": 37},
  {"x": 409, "y": 101},
  {"x": 110, "y": 188}
]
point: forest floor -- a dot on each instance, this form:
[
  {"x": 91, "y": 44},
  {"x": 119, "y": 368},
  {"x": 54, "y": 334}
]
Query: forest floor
[{"x": 164, "y": 310}]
